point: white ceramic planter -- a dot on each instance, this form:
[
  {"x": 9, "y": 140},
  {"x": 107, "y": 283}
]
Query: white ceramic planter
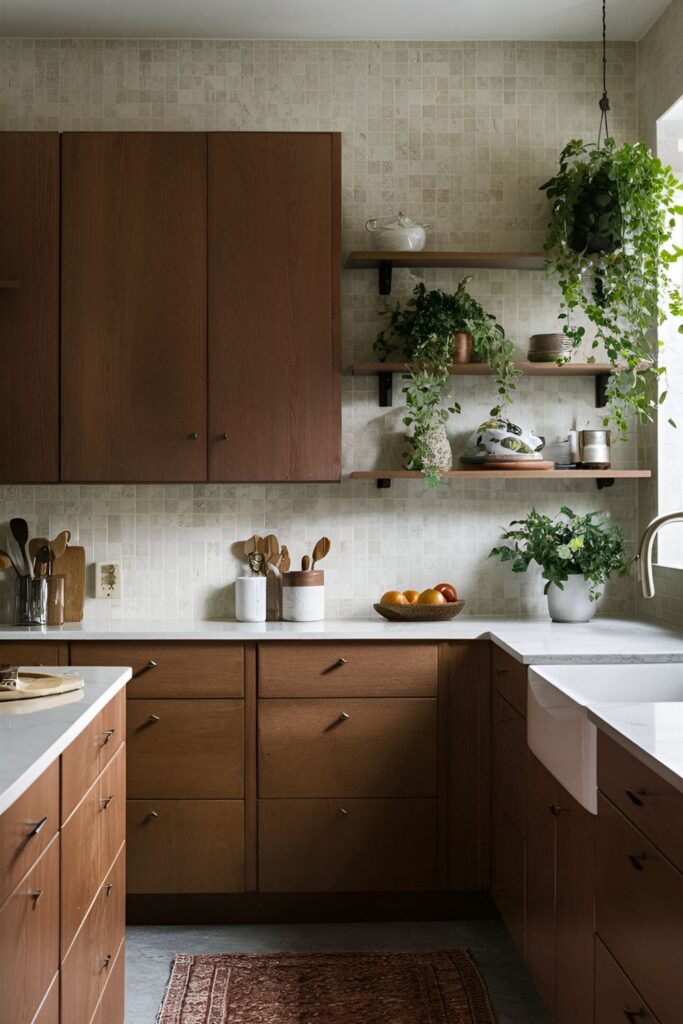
[{"x": 572, "y": 603}]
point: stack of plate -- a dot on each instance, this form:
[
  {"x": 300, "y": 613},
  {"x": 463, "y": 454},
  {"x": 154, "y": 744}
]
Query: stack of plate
[{"x": 546, "y": 348}]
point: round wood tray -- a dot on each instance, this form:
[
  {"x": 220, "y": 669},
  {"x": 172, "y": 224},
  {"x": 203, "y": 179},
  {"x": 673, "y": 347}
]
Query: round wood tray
[{"x": 419, "y": 612}]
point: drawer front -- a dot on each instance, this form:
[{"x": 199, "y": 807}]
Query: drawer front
[
  {"x": 112, "y": 727},
  {"x": 348, "y": 669},
  {"x": 347, "y": 846},
  {"x": 91, "y": 839},
  {"x": 171, "y": 669},
  {"x": 112, "y": 1004},
  {"x": 509, "y": 761},
  {"x": 616, "y": 1000},
  {"x": 27, "y": 828},
  {"x": 91, "y": 752},
  {"x": 29, "y": 939},
  {"x": 639, "y": 902},
  {"x": 646, "y": 799},
  {"x": 36, "y": 652},
  {"x": 510, "y": 679},
  {"x": 49, "y": 1011},
  {"x": 371, "y": 747},
  {"x": 185, "y": 846},
  {"x": 86, "y": 966},
  {"x": 508, "y": 871},
  {"x": 181, "y": 749}
]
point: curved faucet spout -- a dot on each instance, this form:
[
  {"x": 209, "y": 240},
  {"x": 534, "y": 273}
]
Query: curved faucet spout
[{"x": 647, "y": 543}]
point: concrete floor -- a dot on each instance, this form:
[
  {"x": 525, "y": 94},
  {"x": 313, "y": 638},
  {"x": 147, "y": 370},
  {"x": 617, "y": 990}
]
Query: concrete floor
[{"x": 150, "y": 949}]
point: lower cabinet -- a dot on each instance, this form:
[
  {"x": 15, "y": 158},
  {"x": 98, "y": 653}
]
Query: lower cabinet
[
  {"x": 509, "y": 874},
  {"x": 560, "y": 887},
  {"x": 617, "y": 1001}
]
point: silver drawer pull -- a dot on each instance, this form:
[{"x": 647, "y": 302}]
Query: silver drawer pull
[
  {"x": 145, "y": 668},
  {"x": 104, "y": 803},
  {"x": 635, "y": 796},
  {"x": 108, "y": 886},
  {"x": 38, "y": 827},
  {"x": 343, "y": 812},
  {"x": 151, "y": 816},
  {"x": 339, "y": 663},
  {"x": 105, "y": 963},
  {"x": 35, "y": 896},
  {"x": 106, "y": 736},
  {"x": 344, "y": 716},
  {"x": 153, "y": 718}
]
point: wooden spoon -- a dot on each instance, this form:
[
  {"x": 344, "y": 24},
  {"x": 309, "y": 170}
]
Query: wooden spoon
[
  {"x": 44, "y": 557},
  {"x": 321, "y": 549},
  {"x": 285, "y": 560},
  {"x": 305, "y": 563},
  {"x": 6, "y": 562},
  {"x": 272, "y": 548},
  {"x": 35, "y": 544},
  {"x": 251, "y": 545},
  {"x": 58, "y": 545}
]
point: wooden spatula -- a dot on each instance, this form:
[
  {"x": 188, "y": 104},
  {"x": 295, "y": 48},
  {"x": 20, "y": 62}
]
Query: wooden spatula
[
  {"x": 321, "y": 549},
  {"x": 58, "y": 545},
  {"x": 251, "y": 545},
  {"x": 271, "y": 548},
  {"x": 285, "y": 560}
]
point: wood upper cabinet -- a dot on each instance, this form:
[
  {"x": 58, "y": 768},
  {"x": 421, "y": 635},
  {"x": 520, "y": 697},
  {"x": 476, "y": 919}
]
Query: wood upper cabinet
[
  {"x": 29, "y": 306},
  {"x": 133, "y": 359},
  {"x": 274, "y": 364}
]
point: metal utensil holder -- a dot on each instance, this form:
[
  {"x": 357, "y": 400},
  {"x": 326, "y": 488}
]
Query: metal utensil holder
[{"x": 30, "y": 601}]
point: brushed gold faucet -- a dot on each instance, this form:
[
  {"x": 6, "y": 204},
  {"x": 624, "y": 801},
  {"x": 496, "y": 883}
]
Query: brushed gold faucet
[{"x": 647, "y": 543}]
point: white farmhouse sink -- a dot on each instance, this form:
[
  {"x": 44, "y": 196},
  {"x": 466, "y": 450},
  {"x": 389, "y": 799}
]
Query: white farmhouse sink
[{"x": 559, "y": 732}]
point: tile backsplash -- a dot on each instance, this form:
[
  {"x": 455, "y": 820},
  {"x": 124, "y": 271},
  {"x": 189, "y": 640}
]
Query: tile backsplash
[{"x": 459, "y": 135}]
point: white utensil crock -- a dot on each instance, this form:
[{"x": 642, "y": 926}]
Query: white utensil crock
[
  {"x": 250, "y": 598},
  {"x": 303, "y": 596}
]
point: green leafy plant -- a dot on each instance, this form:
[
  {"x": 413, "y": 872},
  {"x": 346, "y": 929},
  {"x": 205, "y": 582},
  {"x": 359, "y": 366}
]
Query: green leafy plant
[
  {"x": 424, "y": 329},
  {"x": 564, "y": 546},
  {"x": 613, "y": 214}
]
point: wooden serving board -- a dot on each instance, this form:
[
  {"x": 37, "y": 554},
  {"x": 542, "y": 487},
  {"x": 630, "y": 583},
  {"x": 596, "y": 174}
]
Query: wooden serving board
[
  {"x": 72, "y": 566},
  {"x": 41, "y": 684}
]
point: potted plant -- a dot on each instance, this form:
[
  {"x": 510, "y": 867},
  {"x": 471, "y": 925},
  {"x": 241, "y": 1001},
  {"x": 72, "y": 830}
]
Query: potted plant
[
  {"x": 427, "y": 329},
  {"x": 610, "y": 239},
  {"x": 577, "y": 555}
]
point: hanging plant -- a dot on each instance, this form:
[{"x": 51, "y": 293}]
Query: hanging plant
[
  {"x": 425, "y": 330},
  {"x": 613, "y": 215}
]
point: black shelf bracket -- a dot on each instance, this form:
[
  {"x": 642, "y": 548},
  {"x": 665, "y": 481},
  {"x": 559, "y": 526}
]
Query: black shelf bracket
[
  {"x": 601, "y": 381},
  {"x": 385, "y": 390},
  {"x": 384, "y": 268},
  {"x": 604, "y": 482},
  {"x": 383, "y": 483}
]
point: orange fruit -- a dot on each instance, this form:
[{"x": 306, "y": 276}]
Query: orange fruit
[
  {"x": 448, "y": 591},
  {"x": 411, "y": 596},
  {"x": 393, "y": 597},
  {"x": 431, "y": 597}
]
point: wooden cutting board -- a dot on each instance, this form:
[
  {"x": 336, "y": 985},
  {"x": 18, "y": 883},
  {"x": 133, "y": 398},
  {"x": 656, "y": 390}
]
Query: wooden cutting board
[
  {"x": 72, "y": 566},
  {"x": 40, "y": 684}
]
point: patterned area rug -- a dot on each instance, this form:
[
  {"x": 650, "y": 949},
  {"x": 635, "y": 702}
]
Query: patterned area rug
[{"x": 327, "y": 988}]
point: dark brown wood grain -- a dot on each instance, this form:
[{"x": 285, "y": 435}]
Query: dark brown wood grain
[
  {"x": 614, "y": 992},
  {"x": 543, "y": 792},
  {"x": 29, "y": 313},
  {"x": 509, "y": 679},
  {"x": 20, "y": 844},
  {"x": 575, "y": 912},
  {"x": 377, "y": 845},
  {"x": 508, "y": 863},
  {"x": 250, "y": 768},
  {"x": 33, "y": 652},
  {"x": 133, "y": 360},
  {"x": 509, "y": 761},
  {"x": 274, "y": 360}
]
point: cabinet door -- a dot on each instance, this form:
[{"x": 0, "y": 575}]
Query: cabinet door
[
  {"x": 274, "y": 373},
  {"x": 133, "y": 306},
  {"x": 29, "y": 306},
  {"x": 508, "y": 874},
  {"x": 542, "y": 798},
  {"x": 575, "y": 917}
]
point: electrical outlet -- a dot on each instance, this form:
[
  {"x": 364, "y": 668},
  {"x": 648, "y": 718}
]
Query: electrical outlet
[{"x": 108, "y": 580}]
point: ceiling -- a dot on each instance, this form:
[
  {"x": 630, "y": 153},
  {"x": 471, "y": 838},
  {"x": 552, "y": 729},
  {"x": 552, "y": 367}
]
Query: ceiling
[{"x": 329, "y": 19}]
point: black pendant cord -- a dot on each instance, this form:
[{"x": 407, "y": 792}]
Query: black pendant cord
[{"x": 604, "y": 99}]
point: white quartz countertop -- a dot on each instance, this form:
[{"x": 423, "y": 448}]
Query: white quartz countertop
[
  {"x": 530, "y": 641},
  {"x": 653, "y": 733},
  {"x": 34, "y": 732}
]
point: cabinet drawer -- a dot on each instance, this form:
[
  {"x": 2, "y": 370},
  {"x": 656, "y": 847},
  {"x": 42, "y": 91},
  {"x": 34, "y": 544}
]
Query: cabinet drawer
[
  {"x": 371, "y": 747},
  {"x": 639, "y": 902},
  {"x": 91, "y": 839},
  {"x": 112, "y": 1004},
  {"x": 616, "y": 1000},
  {"x": 185, "y": 846},
  {"x": 350, "y": 669},
  {"x": 91, "y": 751},
  {"x": 49, "y": 1010},
  {"x": 508, "y": 870},
  {"x": 646, "y": 799},
  {"x": 29, "y": 939},
  {"x": 27, "y": 828},
  {"x": 86, "y": 966},
  {"x": 510, "y": 679},
  {"x": 186, "y": 748},
  {"x": 509, "y": 761},
  {"x": 347, "y": 846},
  {"x": 33, "y": 652},
  {"x": 171, "y": 669}
]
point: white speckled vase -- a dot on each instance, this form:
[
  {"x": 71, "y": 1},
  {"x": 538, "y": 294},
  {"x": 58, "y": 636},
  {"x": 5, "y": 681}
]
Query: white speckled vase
[
  {"x": 439, "y": 454},
  {"x": 573, "y": 602}
]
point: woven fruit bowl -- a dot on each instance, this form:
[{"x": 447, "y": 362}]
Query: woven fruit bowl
[{"x": 419, "y": 612}]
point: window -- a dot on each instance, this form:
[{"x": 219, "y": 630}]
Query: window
[{"x": 670, "y": 439}]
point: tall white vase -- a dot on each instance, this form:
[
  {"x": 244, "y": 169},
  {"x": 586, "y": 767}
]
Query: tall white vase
[{"x": 572, "y": 603}]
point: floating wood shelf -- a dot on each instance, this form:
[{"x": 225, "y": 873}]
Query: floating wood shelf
[
  {"x": 384, "y": 262},
  {"x": 600, "y": 371},
  {"x": 604, "y": 477},
  {"x": 8, "y": 285}
]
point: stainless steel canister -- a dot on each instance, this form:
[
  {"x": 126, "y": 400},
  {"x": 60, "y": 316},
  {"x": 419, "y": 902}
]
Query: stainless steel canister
[{"x": 594, "y": 449}]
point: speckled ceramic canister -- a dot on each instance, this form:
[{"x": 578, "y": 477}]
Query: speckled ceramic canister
[
  {"x": 250, "y": 598},
  {"x": 303, "y": 596}
]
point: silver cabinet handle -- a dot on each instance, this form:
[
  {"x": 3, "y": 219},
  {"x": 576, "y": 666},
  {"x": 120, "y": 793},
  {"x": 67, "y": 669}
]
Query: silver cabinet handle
[
  {"x": 35, "y": 896},
  {"x": 343, "y": 812},
  {"x": 193, "y": 436},
  {"x": 104, "y": 803},
  {"x": 108, "y": 886},
  {"x": 145, "y": 668},
  {"x": 153, "y": 718},
  {"x": 38, "y": 827},
  {"x": 344, "y": 716},
  {"x": 105, "y": 963},
  {"x": 106, "y": 736},
  {"x": 151, "y": 816}
]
